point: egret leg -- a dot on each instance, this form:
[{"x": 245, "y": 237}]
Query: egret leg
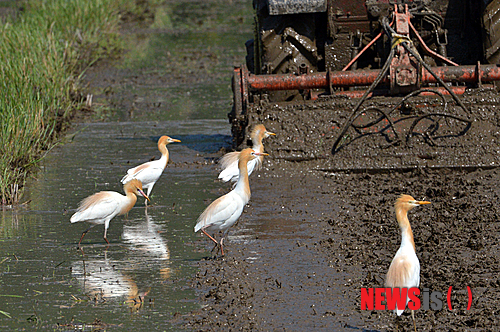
[
  {"x": 211, "y": 237},
  {"x": 414, "y": 324},
  {"x": 221, "y": 247},
  {"x": 83, "y": 234},
  {"x": 215, "y": 246},
  {"x": 105, "y": 231}
]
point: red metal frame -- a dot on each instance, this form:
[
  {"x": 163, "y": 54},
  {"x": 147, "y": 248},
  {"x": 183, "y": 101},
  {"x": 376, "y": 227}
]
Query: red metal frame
[
  {"x": 344, "y": 79},
  {"x": 406, "y": 74}
]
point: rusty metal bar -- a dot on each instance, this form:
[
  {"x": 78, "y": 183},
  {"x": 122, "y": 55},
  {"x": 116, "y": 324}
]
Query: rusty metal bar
[
  {"x": 466, "y": 74},
  {"x": 319, "y": 80},
  {"x": 459, "y": 90},
  {"x": 322, "y": 80}
]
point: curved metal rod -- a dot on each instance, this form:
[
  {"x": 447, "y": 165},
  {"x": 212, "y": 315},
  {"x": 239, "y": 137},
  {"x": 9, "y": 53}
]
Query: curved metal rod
[
  {"x": 374, "y": 122},
  {"x": 391, "y": 123},
  {"x": 379, "y": 78},
  {"x": 420, "y": 118},
  {"x": 415, "y": 122},
  {"x": 412, "y": 94},
  {"x": 408, "y": 96}
]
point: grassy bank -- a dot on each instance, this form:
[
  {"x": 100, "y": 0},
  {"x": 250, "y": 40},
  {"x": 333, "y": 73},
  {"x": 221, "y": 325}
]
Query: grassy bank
[{"x": 43, "y": 52}]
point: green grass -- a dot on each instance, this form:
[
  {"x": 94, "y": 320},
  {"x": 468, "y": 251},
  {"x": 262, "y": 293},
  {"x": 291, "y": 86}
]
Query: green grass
[{"x": 44, "y": 51}]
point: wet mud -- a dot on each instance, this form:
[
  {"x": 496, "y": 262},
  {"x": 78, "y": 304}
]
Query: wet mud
[
  {"x": 320, "y": 237},
  {"x": 321, "y": 226},
  {"x": 426, "y": 131}
]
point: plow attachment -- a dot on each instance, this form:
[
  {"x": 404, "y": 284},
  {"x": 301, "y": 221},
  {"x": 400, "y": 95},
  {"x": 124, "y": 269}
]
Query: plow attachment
[{"x": 417, "y": 109}]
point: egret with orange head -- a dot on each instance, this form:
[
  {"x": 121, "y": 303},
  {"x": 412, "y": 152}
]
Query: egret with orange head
[
  {"x": 229, "y": 162},
  {"x": 225, "y": 211},
  {"x": 103, "y": 206},
  {"x": 148, "y": 173},
  {"x": 404, "y": 271}
]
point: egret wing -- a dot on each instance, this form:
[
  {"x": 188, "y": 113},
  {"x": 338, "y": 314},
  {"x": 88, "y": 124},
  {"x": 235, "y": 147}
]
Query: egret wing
[
  {"x": 218, "y": 212},
  {"x": 98, "y": 207},
  {"x": 149, "y": 175},
  {"x": 143, "y": 172},
  {"x": 229, "y": 166}
]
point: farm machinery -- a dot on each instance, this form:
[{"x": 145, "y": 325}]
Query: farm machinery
[{"x": 403, "y": 72}]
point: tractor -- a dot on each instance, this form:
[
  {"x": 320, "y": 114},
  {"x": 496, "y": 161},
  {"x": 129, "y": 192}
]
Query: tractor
[{"x": 402, "y": 73}]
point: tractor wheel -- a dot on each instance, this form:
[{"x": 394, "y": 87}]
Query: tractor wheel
[
  {"x": 491, "y": 32},
  {"x": 286, "y": 44}
]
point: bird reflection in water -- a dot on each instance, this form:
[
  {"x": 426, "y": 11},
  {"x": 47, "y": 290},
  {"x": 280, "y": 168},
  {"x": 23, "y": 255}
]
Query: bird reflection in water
[
  {"x": 106, "y": 279},
  {"x": 145, "y": 237},
  {"x": 103, "y": 280}
]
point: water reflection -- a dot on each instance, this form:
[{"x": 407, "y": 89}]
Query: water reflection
[
  {"x": 9, "y": 223},
  {"x": 145, "y": 237},
  {"x": 103, "y": 279}
]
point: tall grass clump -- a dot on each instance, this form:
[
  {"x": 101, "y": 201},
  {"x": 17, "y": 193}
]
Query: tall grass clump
[{"x": 43, "y": 52}]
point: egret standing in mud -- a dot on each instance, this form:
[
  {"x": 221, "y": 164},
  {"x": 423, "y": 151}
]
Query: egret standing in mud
[
  {"x": 103, "y": 206},
  {"x": 224, "y": 211},
  {"x": 404, "y": 271},
  {"x": 229, "y": 162},
  {"x": 148, "y": 173}
]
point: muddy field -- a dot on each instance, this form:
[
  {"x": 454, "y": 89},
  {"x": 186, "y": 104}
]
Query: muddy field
[
  {"x": 314, "y": 232},
  {"x": 320, "y": 226}
]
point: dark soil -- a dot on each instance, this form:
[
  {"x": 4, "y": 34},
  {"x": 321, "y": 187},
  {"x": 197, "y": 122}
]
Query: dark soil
[
  {"x": 320, "y": 237},
  {"x": 319, "y": 230}
]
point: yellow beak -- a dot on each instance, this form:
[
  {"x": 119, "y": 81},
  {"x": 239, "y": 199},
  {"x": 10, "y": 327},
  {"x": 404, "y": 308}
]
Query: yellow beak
[{"x": 145, "y": 196}]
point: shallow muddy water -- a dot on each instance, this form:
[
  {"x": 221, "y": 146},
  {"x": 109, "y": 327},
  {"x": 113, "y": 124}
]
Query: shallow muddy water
[
  {"x": 173, "y": 80},
  {"x": 47, "y": 281},
  {"x": 180, "y": 66}
]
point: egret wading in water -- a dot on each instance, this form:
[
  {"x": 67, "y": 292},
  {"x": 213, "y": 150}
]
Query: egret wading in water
[
  {"x": 229, "y": 162},
  {"x": 103, "y": 206},
  {"x": 225, "y": 210},
  {"x": 148, "y": 173},
  {"x": 404, "y": 271}
]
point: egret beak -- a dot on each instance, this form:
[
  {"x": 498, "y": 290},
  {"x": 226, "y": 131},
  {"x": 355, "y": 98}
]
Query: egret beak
[
  {"x": 423, "y": 202},
  {"x": 261, "y": 154},
  {"x": 175, "y": 140},
  {"x": 270, "y": 133},
  {"x": 143, "y": 194}
]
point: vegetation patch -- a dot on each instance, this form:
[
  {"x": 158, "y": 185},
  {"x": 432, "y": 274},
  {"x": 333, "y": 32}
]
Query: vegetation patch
[{"x": 45, "y": 49}]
